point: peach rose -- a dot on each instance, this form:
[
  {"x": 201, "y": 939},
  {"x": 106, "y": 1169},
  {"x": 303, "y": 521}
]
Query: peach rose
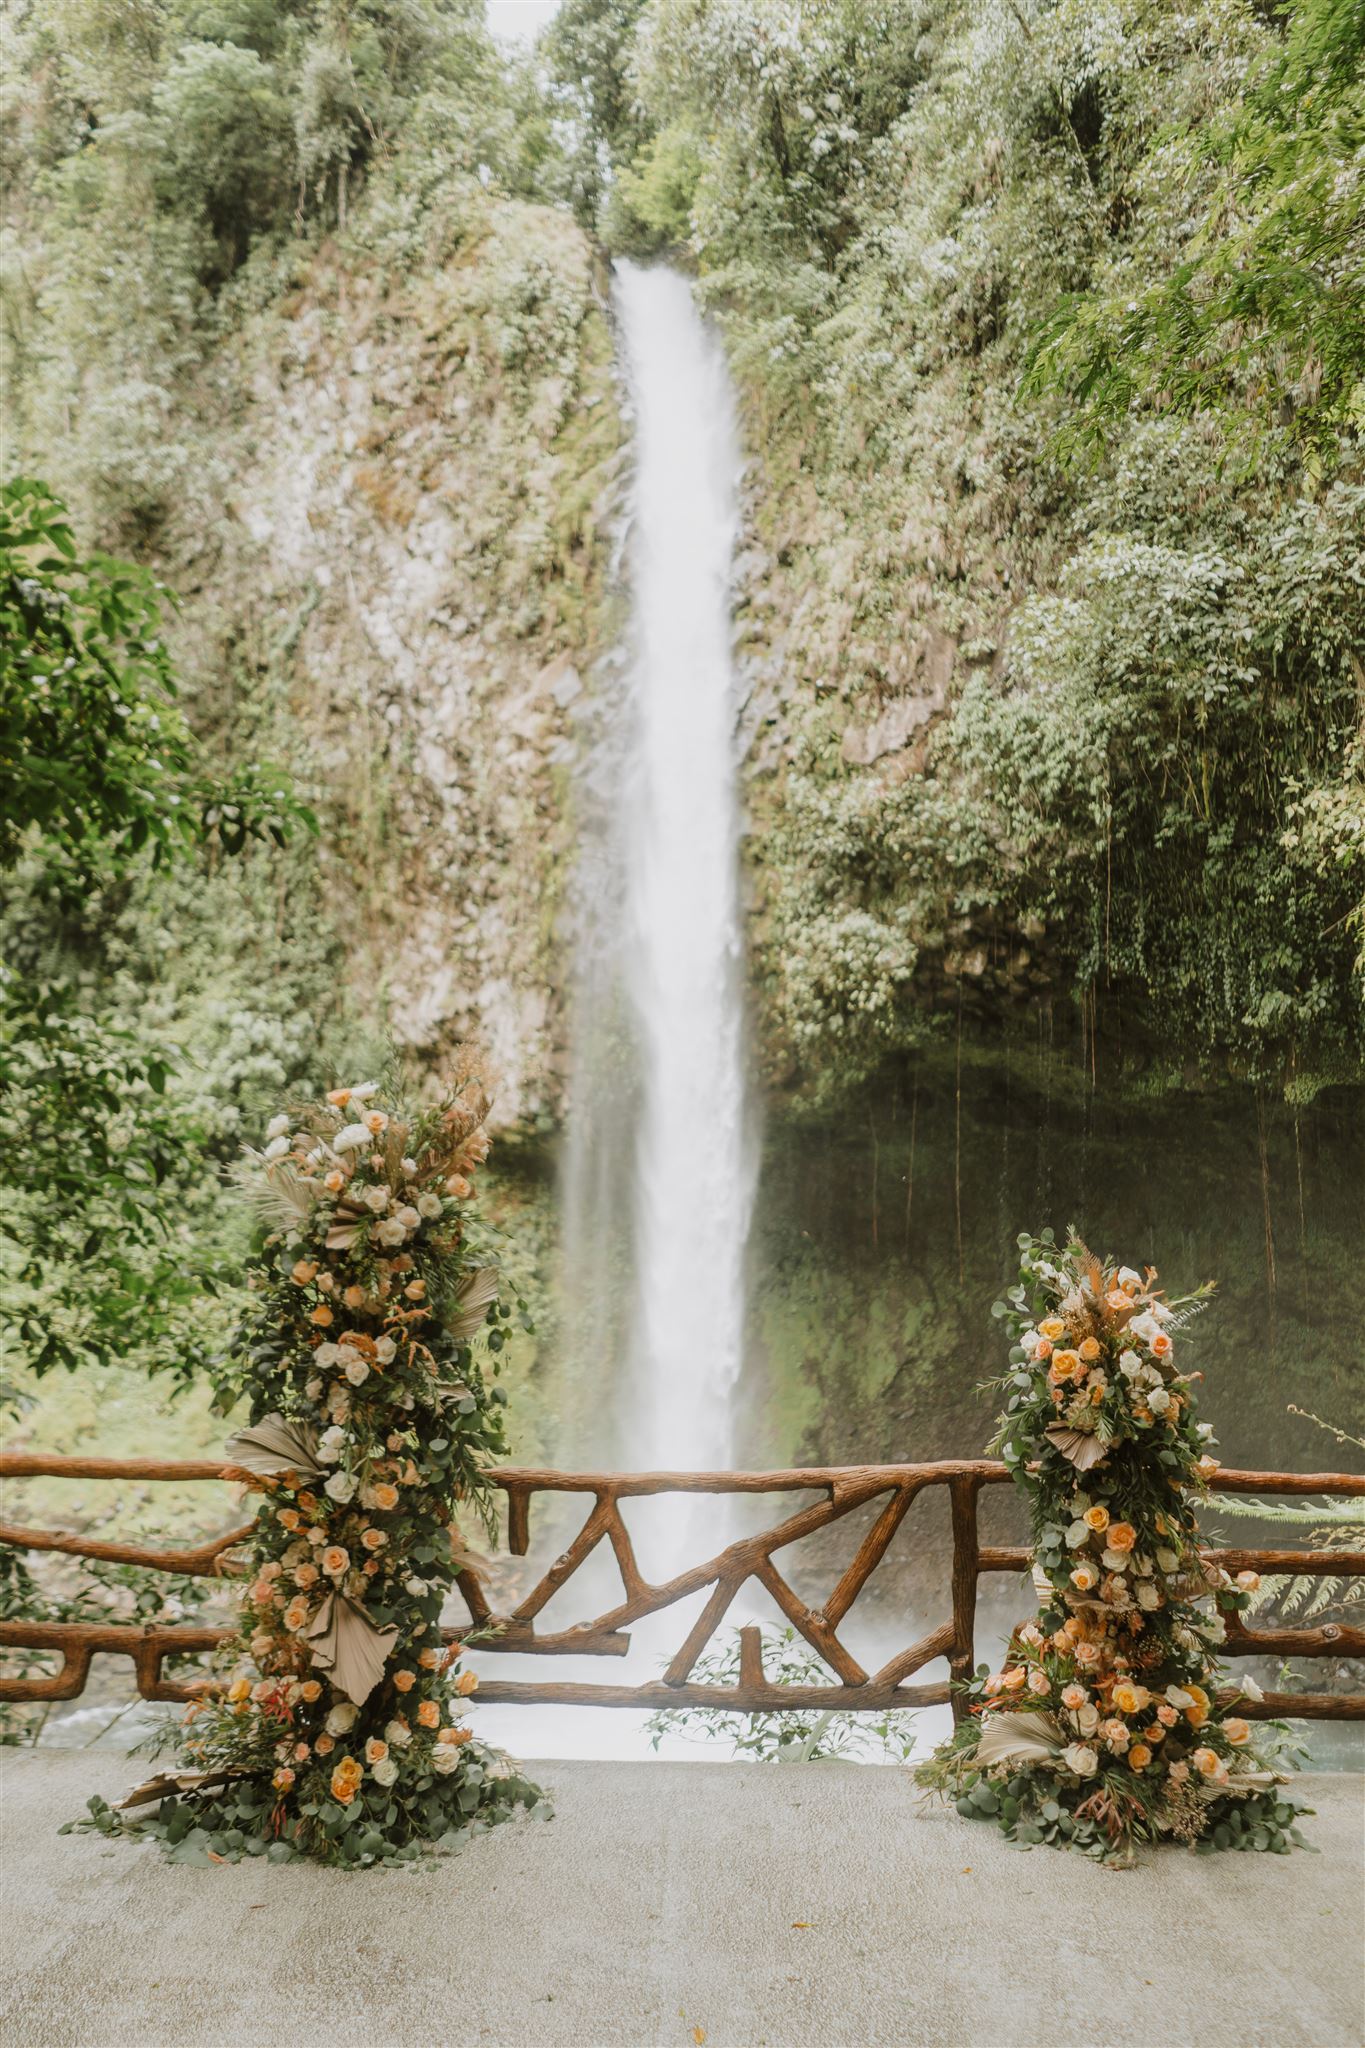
[
  {"x": 354, "y": 1297},
  {"x": 404, "y": 1681},
  {"x": 335, "y": 1181},
  {"x": 1074, "y": 1696},
  {"x": 374, "y": 1539},
  {"x": 283, "y": 1778},
  {"x": 1160, "y": 1345},
  {"x": 1089, "y": 1349},
  {"x": 1167, "y": 1715},
  {"x": 1248, "y": 1581},
  {"x": 335, "y": 1560},
  {"x": 310, "y": 1690},
  {"x": 324, "y": 1744},
  {"x": 375, "y": 1750},
  {"x": 384, "y": 1496},
  {"x": 1237, "y": 1732},
  {"x": 301, "y": 1752},
  {"x": 1065, "y": 1365},
  {"x": 429, "y": 1714},
  {"x": 1015, "y": 1679},
  {"x": 1084, "y": 1578},
  {"x": 295, "y": 1615},
  {"x": 429, "y": 1660},
  {"x": 304, "y": 1271},
  {"x": 1121, "y": 1536},
  {"x": 1208, "y": 1763},
  {"x": 1096, "y": 1518},
  {"x": 1129, "y": 1698}
]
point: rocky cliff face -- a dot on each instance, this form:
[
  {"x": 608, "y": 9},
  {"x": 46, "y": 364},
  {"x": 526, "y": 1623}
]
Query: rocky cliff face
[
  {"x": 393, "y": 465},
  {"x": 400, "y": 553}
]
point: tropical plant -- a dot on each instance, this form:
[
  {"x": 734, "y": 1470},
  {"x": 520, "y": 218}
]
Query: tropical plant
[{"x": 101, "y": 781}]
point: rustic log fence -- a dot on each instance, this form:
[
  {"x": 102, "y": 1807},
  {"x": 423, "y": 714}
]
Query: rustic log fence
[{"x": 838, "y": 1490}]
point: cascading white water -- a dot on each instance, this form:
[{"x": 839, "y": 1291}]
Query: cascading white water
[
  {"x": 682, "y": 952},
  {"x": 658, "y": 1175}
]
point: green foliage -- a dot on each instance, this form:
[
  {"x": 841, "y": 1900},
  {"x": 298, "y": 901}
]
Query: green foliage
[
  {"x": 224, "y": 133},
  {"x": 793, "y": 1735},
  {"x": 1262, "y": 316},
  {"x": 103, "y": 785},
  {"x": 94, "y": 755}
]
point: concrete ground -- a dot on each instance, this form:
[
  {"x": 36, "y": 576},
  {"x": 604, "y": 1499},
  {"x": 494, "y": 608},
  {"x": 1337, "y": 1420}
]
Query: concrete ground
[{"x": 671, "y": 1904}]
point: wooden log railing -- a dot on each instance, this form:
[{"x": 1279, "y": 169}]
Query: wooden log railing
[{"x": 837, "y": 1492}]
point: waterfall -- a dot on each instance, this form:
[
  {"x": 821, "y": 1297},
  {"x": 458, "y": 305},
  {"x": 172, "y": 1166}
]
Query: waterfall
[
  {"x": 682, "y": 935},
  {"x": 658, "y": 1169}
]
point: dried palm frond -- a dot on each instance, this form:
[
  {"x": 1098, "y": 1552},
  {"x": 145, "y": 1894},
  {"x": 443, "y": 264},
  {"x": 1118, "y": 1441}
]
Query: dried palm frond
[
  {"x": 275, "y": 1189},
  {"x": 476, "y": 1294}
]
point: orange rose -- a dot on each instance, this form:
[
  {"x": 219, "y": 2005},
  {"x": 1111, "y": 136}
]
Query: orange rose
[
  {"x": 289, "y": 1518},
  {"x": 1053, "y": 1327},
  {"x": 346, "y": 1780},
  {"x": 1139, "y": 1756},
  {"x": 1121, "y": 1536},
  {"x": 1208, "y": 1763},
  {"x": 310, "y": 1690},
  {"x": 404, "y": 1681},
  {"x": 354, "y": 1297},
  {"x": 466, "y": 1683},
  {"x": 321, "y": 1315},
  {"x": 1096, "y": 1518},
  {"x": 1237, "y": 1732},
  {"x": 1130, "y": 1698},
  {"x": 1160, "y": 1345},
  {"x": 429, "y": 1660},
  {"x": 429, "y": 1714},
  {"x": 384, "y": 1496},
  {"x": 304, "y": 1271},
  {"x": 1065, "y": 1365},
  {"x": 335, "y": 1560},
  {"x": 374, "y": 1539},
  {"x": 1089, "y": 1349}
]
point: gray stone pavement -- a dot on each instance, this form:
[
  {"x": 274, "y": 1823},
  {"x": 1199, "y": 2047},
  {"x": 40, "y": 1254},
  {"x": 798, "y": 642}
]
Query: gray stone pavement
[{"x": 755, "y": 1907}]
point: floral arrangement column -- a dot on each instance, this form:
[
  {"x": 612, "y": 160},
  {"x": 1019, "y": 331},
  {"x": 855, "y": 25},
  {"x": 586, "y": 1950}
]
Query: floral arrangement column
[
  {"x": 1102, "y": 1727},
  {"x": 370, "y": 1420}
]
